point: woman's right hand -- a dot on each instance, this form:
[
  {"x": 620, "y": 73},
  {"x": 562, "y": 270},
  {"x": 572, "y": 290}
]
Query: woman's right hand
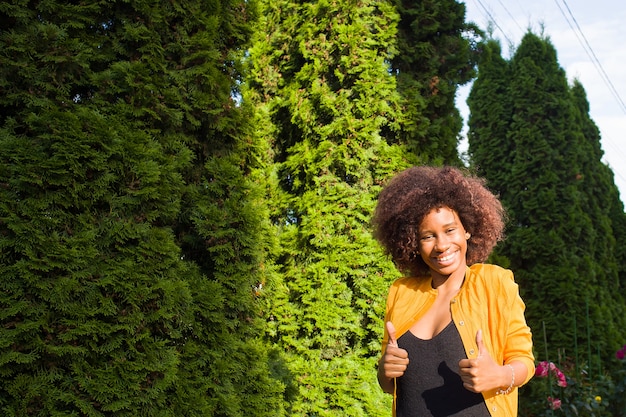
[
  {"x": 393, "y": 363},
  {"x": 395, "y": 360}
]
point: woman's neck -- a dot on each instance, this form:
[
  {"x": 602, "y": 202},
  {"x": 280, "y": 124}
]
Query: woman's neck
[{"x": 449, "y": 283}]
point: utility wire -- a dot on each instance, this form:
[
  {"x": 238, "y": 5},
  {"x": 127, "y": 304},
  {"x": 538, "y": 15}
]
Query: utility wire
[
  {"x": 493, "y": 20},
  {"x": 607, "y": 81},
  {"x": 511, "y": 16},
  {"x": 590, "y": 53},
  {"x": 589, "y": 50}
]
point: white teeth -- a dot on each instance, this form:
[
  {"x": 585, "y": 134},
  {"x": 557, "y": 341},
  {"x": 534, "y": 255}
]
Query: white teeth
[{"x": 445, "y": 258}]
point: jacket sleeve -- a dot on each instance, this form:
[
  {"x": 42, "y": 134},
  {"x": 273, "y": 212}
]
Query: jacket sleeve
[
  {"x": 390, "y": 297},
  {"x": 519, "y": 345}
]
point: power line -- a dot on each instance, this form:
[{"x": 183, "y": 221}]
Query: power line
[
  {"x": 591, "y": 54},
  {"x": 605, "y": 78},
  {"x": 510, "y": 15},
  {"x": 493, "y": 20}
]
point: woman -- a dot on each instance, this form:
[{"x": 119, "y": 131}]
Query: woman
[{"x": 456, "y": 342}]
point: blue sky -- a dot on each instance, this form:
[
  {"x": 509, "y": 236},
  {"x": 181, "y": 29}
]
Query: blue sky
[{"x": 591, "y": 47}]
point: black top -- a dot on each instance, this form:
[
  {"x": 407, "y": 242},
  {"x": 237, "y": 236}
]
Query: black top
[{"x": 431, "y": 385}]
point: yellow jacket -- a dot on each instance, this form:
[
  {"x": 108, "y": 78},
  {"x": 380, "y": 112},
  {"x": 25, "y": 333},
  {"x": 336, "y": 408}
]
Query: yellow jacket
[{"x": 489, "y": 301}]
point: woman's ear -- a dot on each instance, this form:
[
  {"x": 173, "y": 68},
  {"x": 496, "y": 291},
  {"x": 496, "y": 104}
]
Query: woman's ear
[{"x": 467, "y": 235}]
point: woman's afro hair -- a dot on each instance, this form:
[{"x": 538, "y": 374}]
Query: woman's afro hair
[{"x": 414, "y": 192}]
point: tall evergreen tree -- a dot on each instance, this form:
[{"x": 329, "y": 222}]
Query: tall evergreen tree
[
  {"x": 553, "y": 159},
  {"x": 130, "y": 229},
  {"x": 602, "y": 201},
  {"x": 92, "y": 289},
  {"x": 437, "y": 53},
  {"x": 320, "y": 73},
  {"x": 491, "y": 148},
  {"x": 324, "y": 73}
]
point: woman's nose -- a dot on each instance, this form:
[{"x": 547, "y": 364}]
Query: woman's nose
[{"x": 442, "y": 244}]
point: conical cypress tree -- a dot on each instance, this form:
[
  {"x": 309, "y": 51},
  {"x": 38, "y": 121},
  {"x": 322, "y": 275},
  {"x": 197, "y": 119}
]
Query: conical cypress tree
[
  {"x": 602, "y": 203},
  {"x": 542, "y": 181},
  {"x": 320, "y": 73},
  {"x": 436, "y": 54},
  {"x": 491, "y": 148},
  {"x": 557, "y": 270},
  {"x": 223, "y": 227},
  {"x": 128, "y": 217},
  {"x": 92, "y": 290}
]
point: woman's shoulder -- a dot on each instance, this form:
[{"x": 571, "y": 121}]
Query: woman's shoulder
[
  {"x": 490, "y": 274},
  {"x": 492, "y": 281},
  {"x": 411, "y": 284},
  {"x": 412, "y": 281},
  {"x": 405, "y": 296}
]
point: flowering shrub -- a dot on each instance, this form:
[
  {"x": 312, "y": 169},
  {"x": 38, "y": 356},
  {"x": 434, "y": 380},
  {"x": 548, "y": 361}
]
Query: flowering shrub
[
  {"x": 571, "y": 390},
  {"x": 555, "y": 403},
  {"x": 556, "y": 392},
  {"x": 545, "y": 367}
]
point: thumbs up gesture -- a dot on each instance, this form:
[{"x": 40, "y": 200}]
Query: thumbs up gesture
[
  {"x": 481, "y": 373},
  {"x": 395, "y": 360}
]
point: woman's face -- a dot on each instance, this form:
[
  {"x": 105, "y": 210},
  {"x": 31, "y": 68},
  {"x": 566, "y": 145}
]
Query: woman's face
[{"x": 443, "y": 242}]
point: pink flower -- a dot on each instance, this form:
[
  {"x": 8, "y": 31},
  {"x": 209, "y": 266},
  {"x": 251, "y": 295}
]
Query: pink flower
[
  {"x": 562, "y": 382},
  {"x": 545, "y": 367},
  {"x": 620, "y": 354},
  {"x": 542, "y": 369},
  {"x": 555, "y": 403}
]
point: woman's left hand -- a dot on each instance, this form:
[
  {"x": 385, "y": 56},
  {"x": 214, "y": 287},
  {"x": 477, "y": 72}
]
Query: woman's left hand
[{"x": 483, "y": 373}]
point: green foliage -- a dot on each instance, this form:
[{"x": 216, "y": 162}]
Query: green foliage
[
  {"x": 618, "y": 401},
  {"x": 583, "y": 396},
  {"x": 576, "y": 390},
  {"x": 131, "y": 224},
  {"x": 330, "y": 103},
  {"x": 532, "y": 138},
  {"x": 491, "y": 148},
  {"x": 325, "y": 74},
  {"x": 92, "y": 291},
  {"x": 437, "y": 53},
  {"x": 331, "y": 77},
  {"x": 183, "y": 235}
]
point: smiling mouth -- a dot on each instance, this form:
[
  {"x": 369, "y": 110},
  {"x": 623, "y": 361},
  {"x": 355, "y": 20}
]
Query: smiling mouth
[{"x": 446, "y": 258}]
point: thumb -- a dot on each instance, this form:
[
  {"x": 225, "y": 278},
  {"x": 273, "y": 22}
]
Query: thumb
[
  {"x": 391, "y": 330},
  {"x": 479, "y": 343}
]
